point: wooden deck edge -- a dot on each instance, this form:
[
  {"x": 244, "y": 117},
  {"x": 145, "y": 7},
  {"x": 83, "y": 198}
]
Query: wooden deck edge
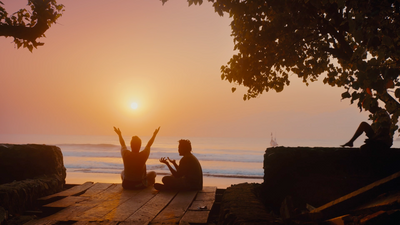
[
  {"x": 196, "y": 212},
  {"x": 73, "y": 191}
]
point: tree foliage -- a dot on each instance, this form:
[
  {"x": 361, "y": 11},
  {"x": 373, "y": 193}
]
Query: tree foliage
[
  {"x": 353, "y": 44},
  {"x": 26, "y": 26}
]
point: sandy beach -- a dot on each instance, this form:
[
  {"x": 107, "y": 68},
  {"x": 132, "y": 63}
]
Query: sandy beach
[{"x": 220, "y": 182}]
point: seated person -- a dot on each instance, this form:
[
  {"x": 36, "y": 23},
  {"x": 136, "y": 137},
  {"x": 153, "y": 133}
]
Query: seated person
[
  {"x": 188, "y": 175},
  {"x": 378, "y": 132},
  {"x": 134, "y": 175}
]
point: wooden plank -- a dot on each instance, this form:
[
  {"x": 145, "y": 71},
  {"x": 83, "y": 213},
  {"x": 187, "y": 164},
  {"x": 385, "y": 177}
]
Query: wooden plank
[
  {"x": 79, "y": 208},
  {"x": 109, "y": 204},
  {"x": 209, "y": 189},
  {"x": 149, "y": 210},
  {"x": 207, "y": 196},
  {"x": 56, "y": 206},
  {"x": 197, "y": 217},
  {"x": 173, "y": 213},
  {"x": 341, "y": 220},
  {"x": 381, "y": 201},
  {"x": 99, "y": 212},
  {"x": 96, "y": 189},
  {"x": 41, "y": 222},
  {"x": 65, "y": 202},
  {"x": 127, "y": 208},
  {"x": 200, "y": 208},
  {"x": 204, "y": 200},
  {"x": 201, "y": 205},
  {"x": 341, "y": 205},
  {"x": 76, "y": 190},
  {"x": 96, "y": 223},
  {"x": 101, "y": 204}
]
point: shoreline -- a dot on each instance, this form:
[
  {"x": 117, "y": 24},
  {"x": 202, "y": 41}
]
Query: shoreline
[{"x": 219, "y": 182}]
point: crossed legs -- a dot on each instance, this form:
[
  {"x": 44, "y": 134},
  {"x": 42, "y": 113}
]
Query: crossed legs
[{"x": 151, "y": 177}]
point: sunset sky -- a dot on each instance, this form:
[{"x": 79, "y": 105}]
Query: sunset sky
[{"x": 102, "y": 56}]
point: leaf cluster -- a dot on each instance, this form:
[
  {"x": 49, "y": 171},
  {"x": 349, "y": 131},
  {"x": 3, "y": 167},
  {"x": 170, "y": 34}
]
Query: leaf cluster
[
  {"x": 27, "y": 25},
  {"x": 352, "y": 44}
]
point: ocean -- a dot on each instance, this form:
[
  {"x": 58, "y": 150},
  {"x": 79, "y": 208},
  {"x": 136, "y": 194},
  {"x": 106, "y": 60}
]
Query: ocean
[
  {"x": 219, "y": 157},
  {"x": 239, "y": 158}
]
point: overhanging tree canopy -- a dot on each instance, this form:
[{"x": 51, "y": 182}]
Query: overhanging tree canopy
[
  {"x": 352, "y": 44},
  {"x": 27, "y": 26}
]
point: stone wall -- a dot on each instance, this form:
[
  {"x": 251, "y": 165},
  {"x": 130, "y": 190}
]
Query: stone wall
[
  {"x": 239, "y": 205},
  {"x": 315, "y": 176},
  {"x": 28, "y": 172}
]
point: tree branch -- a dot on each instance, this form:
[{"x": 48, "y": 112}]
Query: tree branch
[
  {"x": 45, "y": 13},
  {"x": 22, "y": 32}
]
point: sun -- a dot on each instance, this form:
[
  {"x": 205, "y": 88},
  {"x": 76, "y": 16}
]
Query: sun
[{"x": 134, "y": 105}]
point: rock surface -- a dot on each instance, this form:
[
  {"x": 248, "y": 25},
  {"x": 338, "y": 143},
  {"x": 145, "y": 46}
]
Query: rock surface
[
  {"x": 298, "y": 180},
  {"x": 316, "y": 176},
  {"x": 28, "y": 172},
  {"x": 239, "y": 205}
]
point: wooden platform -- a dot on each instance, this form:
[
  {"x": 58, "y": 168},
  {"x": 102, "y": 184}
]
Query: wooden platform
[{"x": 105, "y": 203}]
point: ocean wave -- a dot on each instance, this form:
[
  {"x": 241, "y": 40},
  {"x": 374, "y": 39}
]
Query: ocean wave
[
  {"x": 89, "y": 147},
  {"x": 205, "y": 155},
  {"x": 106, "y": 158},
  {"x": 209, "y": 170},
  {"x": 201, "y": 157},
  {"x": 209, "y": 173}
]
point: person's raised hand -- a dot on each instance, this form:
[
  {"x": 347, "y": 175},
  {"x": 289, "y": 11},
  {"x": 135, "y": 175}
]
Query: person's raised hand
[
  {"x": 173, "y": 161},
  {"x": 117, "y": 130},
  {"x": 164, "y": 160},
  {"x": 156, "y": 131}
]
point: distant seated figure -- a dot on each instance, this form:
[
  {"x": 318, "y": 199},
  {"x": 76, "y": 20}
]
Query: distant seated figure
[
  {"x": 188, "y": 175},
  {"x": 134, "y": 175},
  {"x": 378, "y": 132}
]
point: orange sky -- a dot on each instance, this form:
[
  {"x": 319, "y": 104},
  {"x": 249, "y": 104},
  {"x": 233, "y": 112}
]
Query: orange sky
[{"x": 103, "y": 55}]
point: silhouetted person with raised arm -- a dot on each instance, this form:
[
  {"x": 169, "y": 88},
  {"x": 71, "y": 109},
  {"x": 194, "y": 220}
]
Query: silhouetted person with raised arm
[
  {"x": 188, "y": 175},
  {"x": 378, "y": 132},
  {"x": 134, "y": 175}
]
